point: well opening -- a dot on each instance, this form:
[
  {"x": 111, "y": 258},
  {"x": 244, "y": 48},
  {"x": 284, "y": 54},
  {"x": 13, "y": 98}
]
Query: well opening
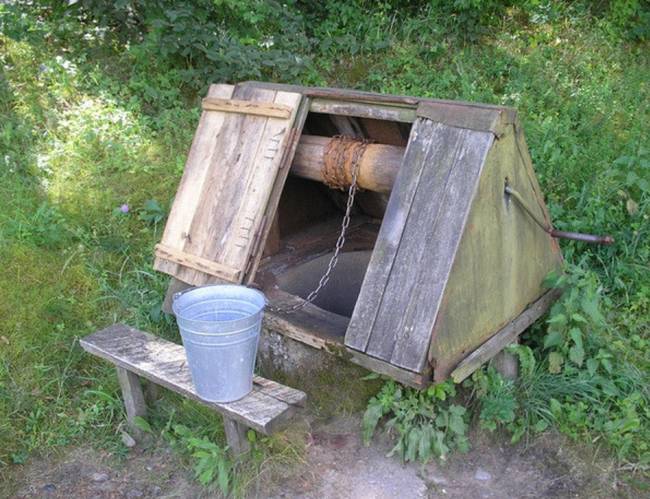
[
  {"x": 308, "y": 221},
  {"x": 341, "y": 291}
]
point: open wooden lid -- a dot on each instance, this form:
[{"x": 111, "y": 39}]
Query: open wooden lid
[{"x": 235, "y": 171}]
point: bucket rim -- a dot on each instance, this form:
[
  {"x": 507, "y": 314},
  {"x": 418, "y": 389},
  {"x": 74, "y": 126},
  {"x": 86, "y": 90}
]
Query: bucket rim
[{"x": 245, "y": 289}]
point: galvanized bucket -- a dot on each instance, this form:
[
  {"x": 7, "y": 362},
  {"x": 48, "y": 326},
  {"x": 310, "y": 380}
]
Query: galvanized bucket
[{"x": 220, "y": 327}]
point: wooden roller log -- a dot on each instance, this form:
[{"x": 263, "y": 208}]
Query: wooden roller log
[{"x": 378, "y": 165}]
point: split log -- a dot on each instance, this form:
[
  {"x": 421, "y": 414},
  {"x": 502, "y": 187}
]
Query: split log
[{"x": 378, "y": 165}]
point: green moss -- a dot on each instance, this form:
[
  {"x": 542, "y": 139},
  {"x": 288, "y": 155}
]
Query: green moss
[{"x": 334, "y": 386}]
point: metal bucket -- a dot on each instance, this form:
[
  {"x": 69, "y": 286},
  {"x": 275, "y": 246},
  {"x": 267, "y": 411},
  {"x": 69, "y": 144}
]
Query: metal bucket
[{"x": 220, "y": 327}]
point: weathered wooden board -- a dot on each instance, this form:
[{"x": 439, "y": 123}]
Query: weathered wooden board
[
  {"x": 504, "y": 337},
  {"x": 415, "y": 249},
  {"x": 390, "y": 235},
  {"x": 363, "y": 110},
  {"x": 220, "y": 211},
  {"x": 473, "y": 118},
  {"x": 500, "y": 263},
  {"x": 265, "y": 409}
]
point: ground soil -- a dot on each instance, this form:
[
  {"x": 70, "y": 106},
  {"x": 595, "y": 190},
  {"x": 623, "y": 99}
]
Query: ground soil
[{"x": 337, "y": 465}]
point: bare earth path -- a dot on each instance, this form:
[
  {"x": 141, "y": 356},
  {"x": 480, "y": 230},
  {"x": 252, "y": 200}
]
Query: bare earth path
[{"x": 337, "y": 465}]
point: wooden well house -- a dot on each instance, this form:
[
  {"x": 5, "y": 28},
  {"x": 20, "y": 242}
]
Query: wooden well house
[{"x": 440, "y": 267}]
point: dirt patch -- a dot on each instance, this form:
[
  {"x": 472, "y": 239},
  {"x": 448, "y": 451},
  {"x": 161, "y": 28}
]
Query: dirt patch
[
  {"x": 85, "y": 473},
  {"x": 338, "y": 465}
]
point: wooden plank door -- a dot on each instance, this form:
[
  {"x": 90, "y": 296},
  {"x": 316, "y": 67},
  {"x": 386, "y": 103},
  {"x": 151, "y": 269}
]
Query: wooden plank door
[
  {"x": 224, "y": 205},
  {"x": 424, "y": 221}
]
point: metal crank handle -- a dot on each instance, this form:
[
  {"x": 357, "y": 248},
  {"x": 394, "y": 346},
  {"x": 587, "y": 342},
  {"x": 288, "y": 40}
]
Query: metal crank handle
[{"x": 546, "y": 227}]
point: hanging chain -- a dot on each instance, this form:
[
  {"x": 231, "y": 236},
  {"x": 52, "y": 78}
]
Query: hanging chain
[{"x": 352, "y": 190}]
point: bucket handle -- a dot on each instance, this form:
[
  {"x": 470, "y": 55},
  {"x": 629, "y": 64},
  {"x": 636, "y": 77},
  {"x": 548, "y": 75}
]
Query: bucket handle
[{"x": 178, "y": 294}]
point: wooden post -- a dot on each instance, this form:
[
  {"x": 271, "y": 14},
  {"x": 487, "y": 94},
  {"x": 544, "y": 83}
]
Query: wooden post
[
  {"x": 507, "y": 364},
  {"x": 236, "y": 436},
  {"x": 133, "y": 397}
]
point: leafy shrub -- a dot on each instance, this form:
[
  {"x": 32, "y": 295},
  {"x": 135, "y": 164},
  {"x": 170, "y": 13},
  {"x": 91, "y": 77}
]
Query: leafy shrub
[
  {"x": 575, "y": 381},
  {"x": 211, "y": 40},
  {"x": 212, "y": 464},
  {"x": 426, "y": 422}
]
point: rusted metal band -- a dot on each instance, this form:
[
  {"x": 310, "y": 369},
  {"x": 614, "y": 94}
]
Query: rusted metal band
[{"x": 341, "y": 158}]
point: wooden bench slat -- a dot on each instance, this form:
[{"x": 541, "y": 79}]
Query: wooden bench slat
[{"x": 265, "y": 409}]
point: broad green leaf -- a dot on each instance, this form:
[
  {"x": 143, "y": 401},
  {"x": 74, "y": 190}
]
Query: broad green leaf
[
  {"x": 457, "y": 409},
  {"x": 517, "y": 434},
  {"x": 577, "y": 355},
  {"x": 424, "y": 450},
  {"x": 592, "y": 366},
  {"x": 457, "y": 424},
  {"x": 142, "y": 424},
  {"x": 556, "y": 407},
  {"x": 540, "y": 426},
  {"x": 576, "y": 335},
  {"x": 578, "y": 318},
  {"x": 412, "y": 444},
  {"x": 607, "y": 365},
  {"x": 590, "y": 306},
  {"x": 553, "y": 339},
  {"x": 558, "y": 319},
  {"x": 555, "y": 361}
]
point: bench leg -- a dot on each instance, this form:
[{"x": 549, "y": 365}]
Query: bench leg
[
  {"x": 236, "y": 436},
  {"x": 133, "y": 397}
]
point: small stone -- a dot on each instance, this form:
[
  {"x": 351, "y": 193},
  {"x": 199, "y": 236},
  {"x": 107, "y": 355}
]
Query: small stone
[
  {"x": 156, "y": 491},
  {"x": 49, "y": 487},
  {"x": 99, "y": 477},
  {"x": 482, "y": 475},
  {"x": 134, "y": 493},
  {"x": 128, "y": 440},
  {"x": 438, "y": 480}
]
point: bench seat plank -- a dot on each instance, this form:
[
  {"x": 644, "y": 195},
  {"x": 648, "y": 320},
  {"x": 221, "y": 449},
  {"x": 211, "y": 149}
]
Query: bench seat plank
[{"x": 268, "y": 407}]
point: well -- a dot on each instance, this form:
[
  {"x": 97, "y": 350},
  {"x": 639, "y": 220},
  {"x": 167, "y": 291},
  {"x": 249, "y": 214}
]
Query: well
[{"x": 440, "y": 265}]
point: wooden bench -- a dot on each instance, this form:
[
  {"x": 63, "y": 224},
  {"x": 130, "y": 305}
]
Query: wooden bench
[{"x": 138, "y": 354}]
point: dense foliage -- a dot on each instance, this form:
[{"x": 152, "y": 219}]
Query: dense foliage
[{"x": 98, "y": 105}]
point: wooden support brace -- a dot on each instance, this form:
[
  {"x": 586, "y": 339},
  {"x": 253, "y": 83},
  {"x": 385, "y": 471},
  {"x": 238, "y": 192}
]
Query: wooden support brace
[
  {"x": 133, "y": 397},
  {"x": 236, "y": 436},
  {"x": 268, "y": 109},
  {"x": 197, "y": 263}
]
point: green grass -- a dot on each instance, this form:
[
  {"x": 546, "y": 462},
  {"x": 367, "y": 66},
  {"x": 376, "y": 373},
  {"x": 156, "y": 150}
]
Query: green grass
[{"x": 98, "y": 105}]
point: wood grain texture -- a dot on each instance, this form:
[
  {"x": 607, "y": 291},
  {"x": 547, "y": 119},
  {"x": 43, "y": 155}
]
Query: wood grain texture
[
  {"x": 132, "y": 395},
  {"x": 197, "y": 263},
  {"x": 424, "y": 221},
  {"x": 390, "y": 235},
  {"x": 268, "y": 109},
  {"x": 197, "y": 166},
  {"x": 363, "y": 110},
  {"x": 504, "y": 337},
  {"x": 409, "y": 378},
  {"x": 367, "y": 97},
  {"x": 286, "y": 154},
  {"x": 432, "y": 240},
  {"x": 500, "y": 263},
  {"x": 238, "y": 444},
  {"x": 377, "y": 166},
  {"x": 470, "y": 117},
  {"x": 267, "y": 408},
  {"x": 220, "y": 210}
]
